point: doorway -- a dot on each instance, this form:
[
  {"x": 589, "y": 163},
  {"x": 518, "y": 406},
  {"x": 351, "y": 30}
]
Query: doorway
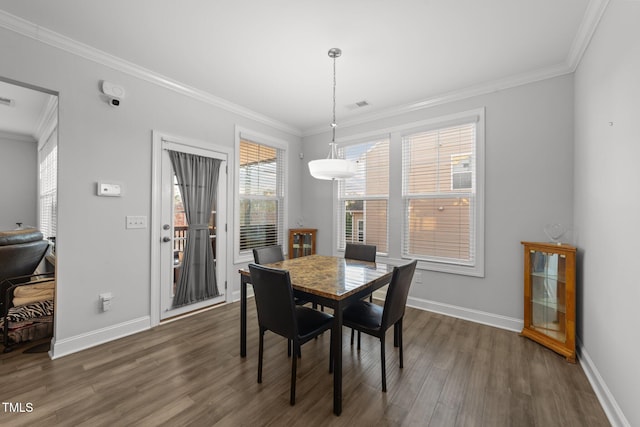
[
  {"x": 28, "y": 170},
  {"x": 171, "y": 231}
]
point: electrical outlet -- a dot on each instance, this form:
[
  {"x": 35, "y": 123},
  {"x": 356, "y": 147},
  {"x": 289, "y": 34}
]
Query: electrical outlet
[{"x": 136, "y": 221}]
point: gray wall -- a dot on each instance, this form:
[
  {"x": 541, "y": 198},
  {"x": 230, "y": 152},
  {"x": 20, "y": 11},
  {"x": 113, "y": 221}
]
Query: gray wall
[
  {"x": 97, "y": 142},
  {"x": 528, "y": 181},
  {"x": 18, "y": 181},
  {"x": 607, "y": 207}
]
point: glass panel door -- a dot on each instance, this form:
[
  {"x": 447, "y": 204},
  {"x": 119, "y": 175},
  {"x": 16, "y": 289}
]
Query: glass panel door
[
  {"x": 174, "y": 230},
  {"x": 180, "y": 226},
  {"x": 548, "y": 308}
]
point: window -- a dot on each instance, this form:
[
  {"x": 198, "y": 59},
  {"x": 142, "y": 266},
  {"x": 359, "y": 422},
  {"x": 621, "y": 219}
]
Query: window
[
  {"x": 48, "y": 186},
  {"x": 418, "y": 193},
  {"x": 261, "y": 194},
  {"x": 363, "y": 200},
  {"x": 439, "y": 194}
]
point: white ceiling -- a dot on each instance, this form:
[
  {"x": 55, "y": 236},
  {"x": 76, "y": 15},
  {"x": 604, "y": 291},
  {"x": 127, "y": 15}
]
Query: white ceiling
[
  {"x": 271, "y": 56},
  {"x": 24, "y": 117}
]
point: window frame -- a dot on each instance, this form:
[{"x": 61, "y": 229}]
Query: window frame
[
  {"x": 47, "y": 157},
  {"x": 395, "y": 203},
  {"x": 339, "y": 217},
  {"x": 48, "y": 192},
  {"x": 241, "y": 256}
]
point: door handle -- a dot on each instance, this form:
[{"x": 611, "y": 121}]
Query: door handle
[{"x": 166, "y": 239}]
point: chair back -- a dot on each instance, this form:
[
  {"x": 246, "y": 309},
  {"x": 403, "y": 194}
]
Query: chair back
[
  {"x": 274, "y": 300},
  {"x": 396, "y": 300},
  {"x": 268, "y": 254},
  {"x": 20, "y": 252},
  {"x": 360, "y": 252}
]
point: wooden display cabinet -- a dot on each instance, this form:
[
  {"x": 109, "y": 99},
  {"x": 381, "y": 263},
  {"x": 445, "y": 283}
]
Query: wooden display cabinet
[
  {"x": 302, "y": 242},
  {"x": 550, "y": 296}
]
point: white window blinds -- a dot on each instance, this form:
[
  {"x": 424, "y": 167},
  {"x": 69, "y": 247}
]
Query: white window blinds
[
  {"x": 439, "y": 194},
  {"x": 48, "y": 186},
  {"x": 363, "y": 199},
  {"x": 261, "y": 193}
]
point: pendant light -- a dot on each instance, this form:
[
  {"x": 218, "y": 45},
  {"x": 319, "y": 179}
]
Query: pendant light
[{"x": 332, "y": 167}]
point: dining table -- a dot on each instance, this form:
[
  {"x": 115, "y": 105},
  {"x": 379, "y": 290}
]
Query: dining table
[{"x": 329, "y": 281}]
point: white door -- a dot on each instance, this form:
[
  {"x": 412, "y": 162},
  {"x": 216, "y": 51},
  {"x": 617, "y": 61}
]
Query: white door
[{"x": 172, "y": 225}]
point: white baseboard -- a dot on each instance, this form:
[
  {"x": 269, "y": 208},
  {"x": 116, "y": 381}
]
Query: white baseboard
[
  {"x": 63, "y": 347},
  {"x": 483, "y": 317},
  {"x": 490, "y": 319},
  {"x": 235, "y": 296},
  {"x": 609, "y": 405}
]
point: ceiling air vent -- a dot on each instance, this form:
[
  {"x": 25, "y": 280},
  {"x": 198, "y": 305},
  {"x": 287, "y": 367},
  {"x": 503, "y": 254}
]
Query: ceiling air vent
[
  {"x": 358, "y": 104},
  {"x": 6, "y": 101}
]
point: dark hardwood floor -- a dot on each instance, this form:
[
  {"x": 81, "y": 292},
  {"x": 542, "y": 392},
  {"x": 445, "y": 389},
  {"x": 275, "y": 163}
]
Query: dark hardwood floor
[{"x": 189, "y": 372}]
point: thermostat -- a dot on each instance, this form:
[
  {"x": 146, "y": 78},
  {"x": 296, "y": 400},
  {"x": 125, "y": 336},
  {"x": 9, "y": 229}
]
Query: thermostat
[{"x": 109, "y": 189}]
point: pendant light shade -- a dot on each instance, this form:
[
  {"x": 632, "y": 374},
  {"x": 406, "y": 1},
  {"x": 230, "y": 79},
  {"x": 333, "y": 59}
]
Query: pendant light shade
[{"x": 332, "y": 167}]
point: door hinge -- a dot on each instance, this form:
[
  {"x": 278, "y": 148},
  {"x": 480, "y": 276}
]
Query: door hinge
[
  {"x": 225, "y": 228},
  {"x": 226, "y": 169},
  {"x": 225, "y": 285}
]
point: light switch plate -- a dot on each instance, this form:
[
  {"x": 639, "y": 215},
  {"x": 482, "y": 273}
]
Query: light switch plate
[{"x": 136, "y": 221}]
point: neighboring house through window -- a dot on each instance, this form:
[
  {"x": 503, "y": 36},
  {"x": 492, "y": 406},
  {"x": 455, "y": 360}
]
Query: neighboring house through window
[{"x": 363, "y": 200}]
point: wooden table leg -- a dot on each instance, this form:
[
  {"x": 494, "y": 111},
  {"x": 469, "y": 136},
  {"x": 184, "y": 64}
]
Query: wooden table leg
[
  {"x": 337, "y": 363},
  {"x": 243, "y": 315}
]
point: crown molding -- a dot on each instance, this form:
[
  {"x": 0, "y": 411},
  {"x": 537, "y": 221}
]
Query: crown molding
[
  {"x": 593, "y": 13},
  {"x": 457, "y": 95},
  {"x": 44, "y": 35},
  {"x": 16, "y": 136},
  {"x": 590, "y": 20}
]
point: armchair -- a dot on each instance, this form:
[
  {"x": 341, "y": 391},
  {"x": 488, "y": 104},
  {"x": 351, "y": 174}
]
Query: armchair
[
  {"x": 26, "y": 301},
  {"x": 20, "y": 252}
]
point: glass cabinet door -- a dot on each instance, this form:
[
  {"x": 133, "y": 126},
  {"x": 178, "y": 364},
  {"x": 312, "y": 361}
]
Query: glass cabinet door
[
  {"x": 550, "y": 296},
  {"x": 302, "y": 242},
  {"x": 548, "y": 310}
]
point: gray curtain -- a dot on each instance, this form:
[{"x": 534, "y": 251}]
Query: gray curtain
[{"x": 197, "y": 178}]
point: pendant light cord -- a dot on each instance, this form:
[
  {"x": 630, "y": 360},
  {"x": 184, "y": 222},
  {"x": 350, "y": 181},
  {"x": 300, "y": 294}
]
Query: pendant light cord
[
  {"x": 333, "y": 167},
  {"x": 333, "y": 123}
]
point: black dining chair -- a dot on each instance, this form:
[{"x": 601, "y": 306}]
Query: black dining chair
[
  {"x": 271, "y": 254},
  {"x": 278, "y": 313},
  {"x": 361, "y": 253},
  {"x": 375, "y": 320},
  {"x": 268, "y": 254}
]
